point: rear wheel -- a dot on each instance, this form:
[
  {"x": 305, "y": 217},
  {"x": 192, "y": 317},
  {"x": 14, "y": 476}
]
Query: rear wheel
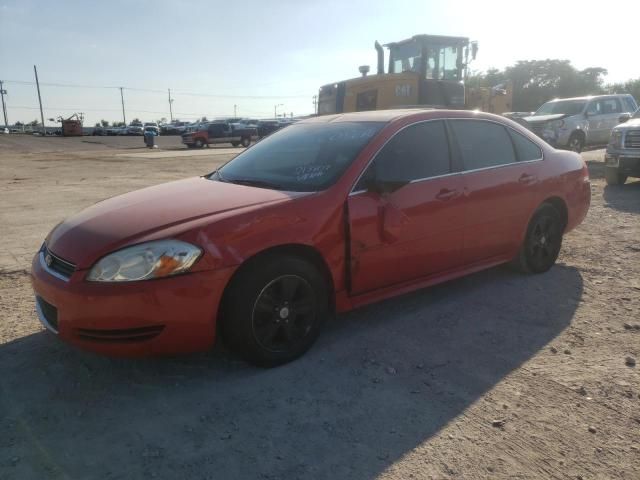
[
  {"x": 274, "y": 310},
  {"x": 542, "y": 242},
  {"x": 576, "y": 142},
  {"x": 246, "y": 141},
  {"x": 613, "y": 176},
  {"x": 235, "y": 144}
]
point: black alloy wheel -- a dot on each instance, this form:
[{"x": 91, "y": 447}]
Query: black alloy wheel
[
  {"x": 284, "y": 314},
  {"x": 274, "y": 308},
  {"x": 543, "y": 241}
]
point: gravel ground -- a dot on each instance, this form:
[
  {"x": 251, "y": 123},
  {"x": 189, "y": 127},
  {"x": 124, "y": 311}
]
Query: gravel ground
[{"x": 496, "y": 375}]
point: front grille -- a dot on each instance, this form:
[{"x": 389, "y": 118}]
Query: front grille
[
  {"x": 49, "y": 312},
  {"x": 57, "y": 264},
  {"x": 632, "y": 139},
  {"x": 126, "y": 335}
]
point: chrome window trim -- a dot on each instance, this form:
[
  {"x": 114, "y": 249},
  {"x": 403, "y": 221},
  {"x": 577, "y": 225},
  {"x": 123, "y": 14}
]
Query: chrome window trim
[
  {"x": 463, "y": 172},
  {"x": 46, "y": 268},
  {"x": 43, "y": 319}
]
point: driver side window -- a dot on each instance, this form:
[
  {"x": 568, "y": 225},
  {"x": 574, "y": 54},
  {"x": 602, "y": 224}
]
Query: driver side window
[{"x": 418, "y": 152}]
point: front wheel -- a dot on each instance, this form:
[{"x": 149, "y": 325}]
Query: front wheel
[
  {"x": 613, "y": 176},
  {"x": 576, "y": 143},
  {"x": 542, "y": 242},
  {"x": 274, "y": 309},
  {"x": 246, "y": 141},
  {"x": 198, "y": 143}
]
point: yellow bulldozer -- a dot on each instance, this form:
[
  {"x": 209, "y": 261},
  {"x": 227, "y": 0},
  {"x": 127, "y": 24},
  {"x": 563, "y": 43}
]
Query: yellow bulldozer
[{"x": 423, "y": 71}]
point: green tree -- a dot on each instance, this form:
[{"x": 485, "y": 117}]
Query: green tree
[
  {"x": 104, "y": 123},
  {"x": 33, "y": 123},
  {"x": 538, "y": 81},
  {"x": 630, "y": 86}
]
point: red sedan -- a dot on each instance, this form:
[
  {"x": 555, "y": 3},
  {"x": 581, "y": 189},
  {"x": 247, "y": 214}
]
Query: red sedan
[{"x": 324, "y": 216}]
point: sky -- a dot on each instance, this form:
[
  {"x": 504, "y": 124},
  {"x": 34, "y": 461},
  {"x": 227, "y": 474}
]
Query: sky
[{"x": 257, "y": 55}]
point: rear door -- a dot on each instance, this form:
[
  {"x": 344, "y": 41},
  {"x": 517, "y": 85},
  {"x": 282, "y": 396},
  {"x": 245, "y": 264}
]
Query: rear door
[
  {"x": 413, "y": 228},
  {"x": 499, "y": 189}
]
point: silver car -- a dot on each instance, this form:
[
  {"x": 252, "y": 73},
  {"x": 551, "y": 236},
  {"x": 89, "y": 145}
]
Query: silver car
[
  {"x": 622, "y": 159},
  {"x": 575, "y": 123}
]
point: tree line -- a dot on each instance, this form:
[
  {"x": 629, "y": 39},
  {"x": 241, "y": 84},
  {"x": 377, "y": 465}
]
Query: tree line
[{"x": 538, "y": 81}]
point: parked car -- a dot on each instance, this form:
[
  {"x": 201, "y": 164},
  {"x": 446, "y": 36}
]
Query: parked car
[
  {"x": 622, "y": 158},
  {"x": 323, "y": 216},
  {"x": 175, "y": 128},
  {"x": 267, "y": 127},
  {"x": 153, "y": 126},
  {"x": 134, "y": 128},
  {"x": 219, "y": 132},
  {"x": 574, "y": 123},
  {"x": 99, "y": 131}
]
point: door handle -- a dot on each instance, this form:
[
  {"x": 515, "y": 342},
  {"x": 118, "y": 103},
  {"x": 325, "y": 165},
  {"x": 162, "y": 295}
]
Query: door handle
[
  {"x": 446, "y": 194},
  {"x": 527, "y": 179}
]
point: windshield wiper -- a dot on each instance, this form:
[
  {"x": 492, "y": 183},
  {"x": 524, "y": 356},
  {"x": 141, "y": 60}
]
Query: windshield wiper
[{"x": 254, "y": 183}]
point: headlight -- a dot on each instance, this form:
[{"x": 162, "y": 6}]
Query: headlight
[
  {"x": 616, "y": 139},
  {"x": 555, "y": 124},
  {"x": 145, "y": 261}
]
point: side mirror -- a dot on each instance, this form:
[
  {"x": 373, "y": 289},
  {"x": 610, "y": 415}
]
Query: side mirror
[{"x": 624, "y": 118}]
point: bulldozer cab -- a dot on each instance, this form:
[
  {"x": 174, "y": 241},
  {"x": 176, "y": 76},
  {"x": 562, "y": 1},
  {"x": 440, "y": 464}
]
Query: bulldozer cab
[
  {"x": 433, "y": 57},
  {"x": 422, "y": 71}
]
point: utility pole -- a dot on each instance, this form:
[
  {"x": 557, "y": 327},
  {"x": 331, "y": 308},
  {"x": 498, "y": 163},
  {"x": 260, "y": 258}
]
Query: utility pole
[
  {"x": 124, "y": 117},
  {"x": 275, "y": 109},
  {"x": 235, "y": 110},
  {"x": 44, "y": 130},
  {"x": 170, "y": 109},
  {"x": 4, "y": 107},
  {"x": 315, "y": 104}
]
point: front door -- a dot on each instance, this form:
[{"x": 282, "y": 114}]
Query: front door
[{"x": 410, "y": 224}]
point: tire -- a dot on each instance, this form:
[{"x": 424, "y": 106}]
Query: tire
[
  {"x": 576, "y": 142},
  {"x": 274, "y": 309},
  {"x": 198, "y": 143},
  {"x": 235, "y": 144},
  {"x": 542, "y": 241},
  {"x": 613, "y": 176},
  {"x": 246, "y": 141}
]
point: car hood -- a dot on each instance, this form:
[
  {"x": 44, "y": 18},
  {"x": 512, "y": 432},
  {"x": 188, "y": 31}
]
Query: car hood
[
  {"x": 126, "y": 219},
  {"x": 632, "y": 123},
  {"x": 546, "y": 118}
]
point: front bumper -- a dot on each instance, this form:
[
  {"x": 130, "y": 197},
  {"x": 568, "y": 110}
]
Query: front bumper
[
  {"x": 153, "y": 317},
  {"x": 627, "y": 163}
]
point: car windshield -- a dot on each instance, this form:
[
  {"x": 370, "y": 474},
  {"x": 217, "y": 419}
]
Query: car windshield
[
  {"x": 566, "y": 107},
  {"x": 303, "y": 157}
]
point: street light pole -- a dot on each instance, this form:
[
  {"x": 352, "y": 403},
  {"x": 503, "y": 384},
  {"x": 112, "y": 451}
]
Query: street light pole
[
  {"x": 275, "y": 109},
  {"x": 44, "y": 130},
  {"x": 4, "y": 107},
  {"x": 170, "y": 109},
  {"x": 124, "y": 117}
]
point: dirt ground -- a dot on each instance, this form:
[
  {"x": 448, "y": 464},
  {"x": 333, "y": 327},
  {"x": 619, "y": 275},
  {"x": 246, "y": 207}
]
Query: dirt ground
[{"x": 497, "y": 375}]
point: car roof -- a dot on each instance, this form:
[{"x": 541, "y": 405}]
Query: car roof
[
  {"x": 590, "y": 97},
  {"x": 388, "y": 116}
]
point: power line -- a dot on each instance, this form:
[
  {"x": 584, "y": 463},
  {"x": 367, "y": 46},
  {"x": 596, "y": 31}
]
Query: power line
[{"x": 136, "y": 89}]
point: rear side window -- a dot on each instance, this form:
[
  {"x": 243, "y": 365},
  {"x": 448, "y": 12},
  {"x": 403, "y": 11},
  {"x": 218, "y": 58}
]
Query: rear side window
[
  {"x": 417, "y": 152},
  {"x": 483, "y": 144},
  {"x": 525, "y": 149}
]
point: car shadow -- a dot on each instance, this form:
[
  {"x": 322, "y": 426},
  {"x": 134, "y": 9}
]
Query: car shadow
[
  {"x": 381, "y": 381},
  {"x": 625, "y": 198}
]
